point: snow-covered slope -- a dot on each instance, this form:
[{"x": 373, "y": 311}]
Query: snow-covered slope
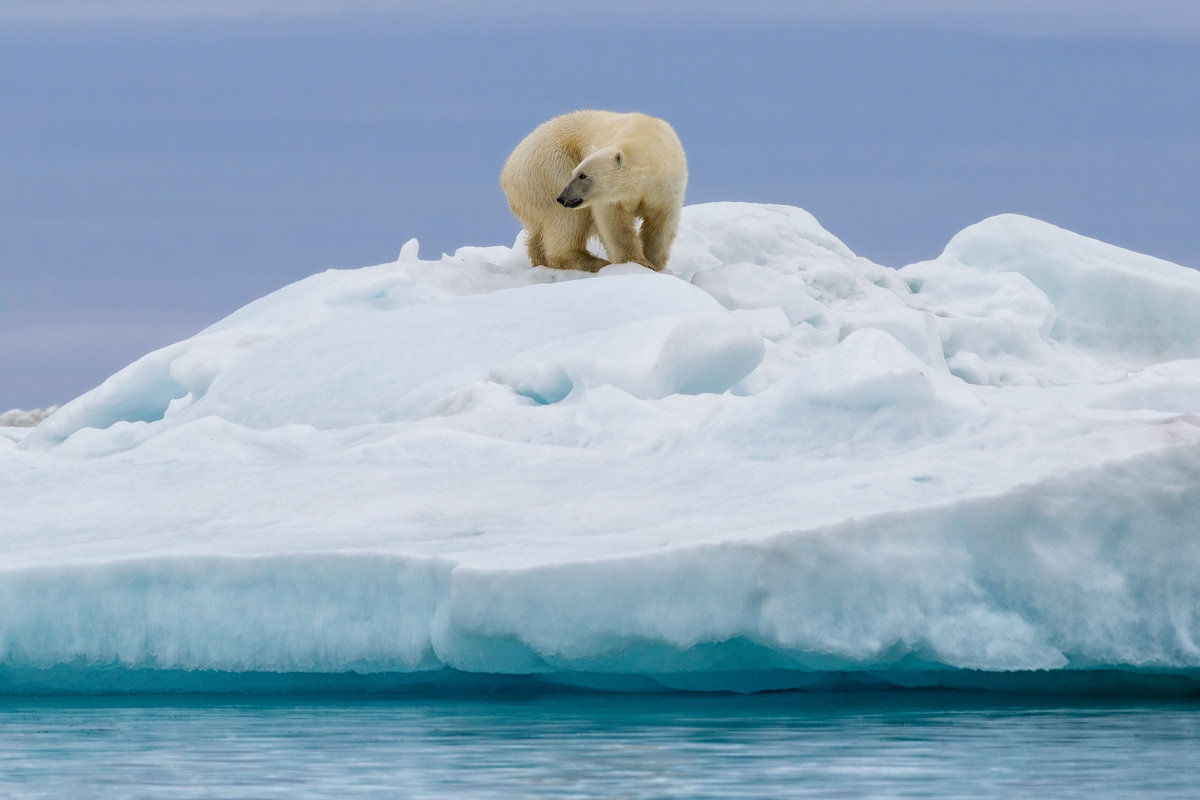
[
  {"x": 15, "y": 424},
  {"x": 778, "y": 464}
]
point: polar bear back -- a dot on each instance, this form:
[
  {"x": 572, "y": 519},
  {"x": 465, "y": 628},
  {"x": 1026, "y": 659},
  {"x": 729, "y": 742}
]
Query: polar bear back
[{"x": 543, "y": 162}]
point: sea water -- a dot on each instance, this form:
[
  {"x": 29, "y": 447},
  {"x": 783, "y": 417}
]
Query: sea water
[{"x": 878, "y": 745}]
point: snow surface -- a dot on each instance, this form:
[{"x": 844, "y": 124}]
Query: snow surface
[
  {"x": 778, "y": 464},
  {"x": 15, "y": 424}
]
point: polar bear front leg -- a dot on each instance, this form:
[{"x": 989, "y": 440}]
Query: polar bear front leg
[
  {"x": 658, "y": 233},
  {"x": 615, "y": 226},
  {"x": 564, "y": 242}
]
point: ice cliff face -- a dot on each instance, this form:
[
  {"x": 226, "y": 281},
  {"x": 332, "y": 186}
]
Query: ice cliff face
[{"x": 778, "y": 463}]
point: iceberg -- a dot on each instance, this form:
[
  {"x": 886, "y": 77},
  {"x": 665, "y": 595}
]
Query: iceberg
[{"x": 779, "y": 466}]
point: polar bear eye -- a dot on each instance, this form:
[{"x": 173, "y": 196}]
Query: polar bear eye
[{"x": 582, "y": 177}]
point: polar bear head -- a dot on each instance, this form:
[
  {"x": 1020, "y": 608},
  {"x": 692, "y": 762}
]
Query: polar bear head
[{"x": 598, "y": 177}]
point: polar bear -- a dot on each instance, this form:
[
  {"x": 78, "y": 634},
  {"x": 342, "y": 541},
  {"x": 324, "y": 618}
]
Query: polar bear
[{"x": 594, "y": 173}]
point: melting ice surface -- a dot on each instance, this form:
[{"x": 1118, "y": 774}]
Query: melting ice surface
[{"x": 780, "y": 466}]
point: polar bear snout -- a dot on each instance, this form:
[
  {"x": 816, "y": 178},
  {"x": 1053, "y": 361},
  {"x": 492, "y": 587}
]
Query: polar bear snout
[{"x": 572, "y": 195}]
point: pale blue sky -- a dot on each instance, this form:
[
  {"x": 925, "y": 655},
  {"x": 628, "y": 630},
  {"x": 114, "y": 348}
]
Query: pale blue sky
[
  {"x": 1022, "y": 17},
  {"x": 158, "y": 170}
]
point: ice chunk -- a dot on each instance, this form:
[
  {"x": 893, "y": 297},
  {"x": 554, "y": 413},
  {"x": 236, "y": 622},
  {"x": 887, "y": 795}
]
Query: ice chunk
[
  {"x": 1104, "y": 298},
  {"x": 691, "y": 354},
  {"x": 778, "y": 466}
]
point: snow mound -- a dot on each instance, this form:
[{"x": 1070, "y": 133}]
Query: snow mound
[
  {"x": 777, "y": 464},
  {"x": 15, "y": 424}
]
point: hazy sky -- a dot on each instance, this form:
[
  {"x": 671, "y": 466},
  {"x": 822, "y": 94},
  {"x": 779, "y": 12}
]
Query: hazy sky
[
  {"x": 162, "y": 164},
  {"x": 1025, "y": 17}
]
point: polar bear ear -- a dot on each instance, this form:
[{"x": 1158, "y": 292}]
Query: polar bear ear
[{"x": 619, "y": 159}]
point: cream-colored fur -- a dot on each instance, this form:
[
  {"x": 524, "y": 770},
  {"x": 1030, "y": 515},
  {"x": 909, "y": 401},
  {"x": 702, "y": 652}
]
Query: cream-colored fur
[{"x": 595, "y": 173}]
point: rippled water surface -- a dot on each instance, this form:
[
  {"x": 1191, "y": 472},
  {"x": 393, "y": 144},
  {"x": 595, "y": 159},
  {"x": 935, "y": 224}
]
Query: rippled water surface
[{"x": 766, "y": 746}]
